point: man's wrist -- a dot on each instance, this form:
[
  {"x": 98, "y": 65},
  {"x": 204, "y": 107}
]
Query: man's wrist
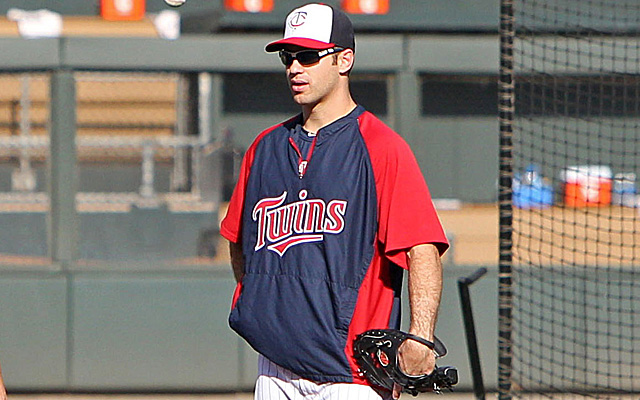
[{"x": 425, "y": 333}]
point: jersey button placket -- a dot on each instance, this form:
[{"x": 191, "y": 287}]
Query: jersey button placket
[{"x": 303, "y": 163}]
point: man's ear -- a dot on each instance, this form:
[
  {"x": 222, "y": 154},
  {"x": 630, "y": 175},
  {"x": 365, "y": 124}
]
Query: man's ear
[{"x": 346, "y": 61}]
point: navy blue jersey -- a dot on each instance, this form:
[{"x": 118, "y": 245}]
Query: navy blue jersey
[{"x": 318, "y": 223}]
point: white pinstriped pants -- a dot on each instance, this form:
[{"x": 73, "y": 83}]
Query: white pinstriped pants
[{"x": 277, "y": 383}]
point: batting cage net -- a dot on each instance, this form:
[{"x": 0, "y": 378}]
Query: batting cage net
[{"x": 569, "y": 226}]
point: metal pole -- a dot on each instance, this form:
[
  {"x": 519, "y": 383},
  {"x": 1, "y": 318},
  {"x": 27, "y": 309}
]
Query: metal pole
[
  {"x": 470, "y": 331},
  {"x": 24, "y": 179},
  {"x": 180, "y": 178},
  {"x": 506, "y": 111},
  {"x": 205, "y": 131},
  {"x": 148, "y": 167}
]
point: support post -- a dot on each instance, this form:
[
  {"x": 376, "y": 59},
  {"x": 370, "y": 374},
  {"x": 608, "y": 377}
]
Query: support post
[
  {"x": 63, "y": 217},
  {"x": 470, "y": 331},
  {"x": 405, "y": 101},
  {"x": 506, "y": 111}
]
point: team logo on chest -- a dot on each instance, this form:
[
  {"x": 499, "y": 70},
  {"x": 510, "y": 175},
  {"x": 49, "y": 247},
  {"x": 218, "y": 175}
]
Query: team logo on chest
[{"x": 281, "y": 226}]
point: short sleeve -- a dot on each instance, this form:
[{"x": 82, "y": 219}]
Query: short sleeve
[{"x": 406, "y": 214}]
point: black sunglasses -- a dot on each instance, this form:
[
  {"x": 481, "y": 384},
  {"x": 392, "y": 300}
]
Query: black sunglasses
[{"x": 306, "y": 57}]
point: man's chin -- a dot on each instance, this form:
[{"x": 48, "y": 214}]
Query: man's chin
[{"x": 301, "y": 100}]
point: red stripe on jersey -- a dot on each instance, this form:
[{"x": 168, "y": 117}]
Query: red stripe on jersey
[
  {"x": 406, "y": 214},
  {"x": 373, "y": 308},
  {"x": 236, "y": 294},
  {"x": 406, "y": 218}
]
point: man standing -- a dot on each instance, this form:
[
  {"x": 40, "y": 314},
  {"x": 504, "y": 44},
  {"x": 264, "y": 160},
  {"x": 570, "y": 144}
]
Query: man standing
[{"x": 329, "y": 209}]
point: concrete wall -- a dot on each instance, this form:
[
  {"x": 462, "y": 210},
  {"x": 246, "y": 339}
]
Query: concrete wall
[{"x": 165, "y": 330}]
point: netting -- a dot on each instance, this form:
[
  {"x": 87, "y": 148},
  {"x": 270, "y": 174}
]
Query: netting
[{"x": 570, "y": 155}]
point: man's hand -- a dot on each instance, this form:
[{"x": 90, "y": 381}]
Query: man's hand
[
  {"x": 402, "y": 362},
  {"x": 415, "y": 359}
]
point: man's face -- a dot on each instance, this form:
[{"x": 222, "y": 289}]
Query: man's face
[{"x": 313, "y": 83}]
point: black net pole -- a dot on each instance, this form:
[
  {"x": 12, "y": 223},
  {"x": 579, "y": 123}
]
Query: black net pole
[
  {"x": 506, "y": 115},
  {"x": 470, "y": 331}
]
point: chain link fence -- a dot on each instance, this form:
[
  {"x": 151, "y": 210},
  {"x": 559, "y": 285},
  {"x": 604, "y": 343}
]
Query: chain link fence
[{"x": 147, "y": 179}]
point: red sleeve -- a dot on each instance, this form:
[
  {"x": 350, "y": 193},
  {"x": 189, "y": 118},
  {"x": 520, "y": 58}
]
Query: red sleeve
[
  {"x": 231, "y": 226},
  {"x": 406, "y": 214}
]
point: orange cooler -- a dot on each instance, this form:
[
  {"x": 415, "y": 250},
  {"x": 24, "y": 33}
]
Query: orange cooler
[
  {"x": 122, "y": 10},
  {"x": 251, "y": 6},
  {"x": 366, "y": 6},
  {"x": 587, "y": 186}
]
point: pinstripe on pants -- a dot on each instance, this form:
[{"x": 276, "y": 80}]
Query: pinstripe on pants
[{"x": 277, "y": 383}]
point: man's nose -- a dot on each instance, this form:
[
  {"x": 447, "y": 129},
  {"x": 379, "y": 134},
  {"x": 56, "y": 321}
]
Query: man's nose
[{"x": 295, "y": 67}]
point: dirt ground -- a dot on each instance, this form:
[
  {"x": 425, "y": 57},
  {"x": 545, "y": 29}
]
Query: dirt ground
[
  {"x": 473, "y": 233},
  {"x": 550, "y": 236}
]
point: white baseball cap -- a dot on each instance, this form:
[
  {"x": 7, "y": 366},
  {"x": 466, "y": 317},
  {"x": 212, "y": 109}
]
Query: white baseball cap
[{"x": 316, "y": 26}]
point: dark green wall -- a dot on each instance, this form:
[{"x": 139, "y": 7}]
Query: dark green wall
[{"x": 137, "y": 330}]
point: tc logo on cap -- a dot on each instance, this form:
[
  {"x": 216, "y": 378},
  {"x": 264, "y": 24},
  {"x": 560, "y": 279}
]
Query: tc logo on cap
[
  {"x": 315, "y": 26},
  {"x": 297, "y": 19}
]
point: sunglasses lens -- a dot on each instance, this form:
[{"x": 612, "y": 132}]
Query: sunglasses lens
[
  {"x": 307, "y": 57},
  {"x": 286, "y": 58}
]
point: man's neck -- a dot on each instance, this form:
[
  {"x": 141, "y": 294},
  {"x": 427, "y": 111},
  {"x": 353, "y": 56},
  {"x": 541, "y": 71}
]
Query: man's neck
[{"x": 324, "y": 113}]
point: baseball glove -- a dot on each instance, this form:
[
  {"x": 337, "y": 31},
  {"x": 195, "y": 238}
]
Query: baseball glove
[{"x": 376, "y": 352}]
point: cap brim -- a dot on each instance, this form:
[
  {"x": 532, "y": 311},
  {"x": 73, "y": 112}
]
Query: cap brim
[{"x": 296, "y": 41}]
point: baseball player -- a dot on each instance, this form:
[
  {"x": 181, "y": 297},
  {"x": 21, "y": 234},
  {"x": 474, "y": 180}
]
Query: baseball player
[{"x": 329, "y": 209}]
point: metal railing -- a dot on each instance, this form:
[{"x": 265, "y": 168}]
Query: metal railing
[
  {"x": 155, "y": 109},
  {"x": 147, "y": 149}
]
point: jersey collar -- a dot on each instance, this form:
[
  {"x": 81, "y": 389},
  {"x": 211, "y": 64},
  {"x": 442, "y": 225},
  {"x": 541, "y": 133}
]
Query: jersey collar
[{"x": 327, "y": 131}]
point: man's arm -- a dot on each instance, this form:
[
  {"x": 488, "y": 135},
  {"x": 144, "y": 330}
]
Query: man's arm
[
  {"x": 237, "y": 261},
  {"x": 425, "y": 291}
]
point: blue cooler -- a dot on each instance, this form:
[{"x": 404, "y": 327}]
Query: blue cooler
[{"x": 531, "y": 190}]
